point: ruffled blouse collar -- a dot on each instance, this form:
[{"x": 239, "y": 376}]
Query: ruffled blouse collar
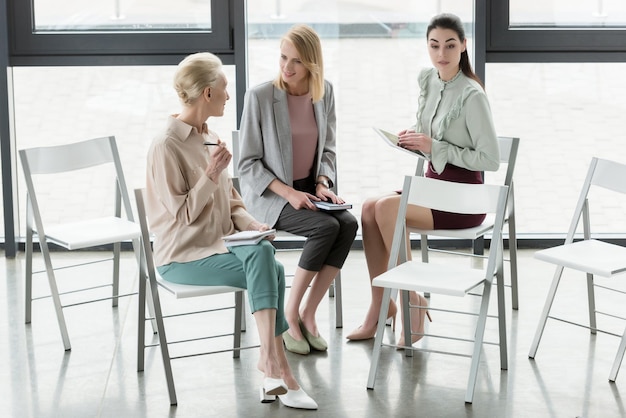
[{"x": 452, "y": 80}]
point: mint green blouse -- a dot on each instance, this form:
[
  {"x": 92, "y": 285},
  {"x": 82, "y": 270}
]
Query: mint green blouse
[{"x": 456, "y": 115}]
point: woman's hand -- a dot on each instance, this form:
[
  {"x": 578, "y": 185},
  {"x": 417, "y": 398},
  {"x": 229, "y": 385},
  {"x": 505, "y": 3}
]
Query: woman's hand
[
  {"x": 258, "y": 226},
  {"x": 219, "y": 158},
  {"x": 327, "y": 195},
  {"x": 301, "y": 200},
  {"x": 415, "y": 141}
]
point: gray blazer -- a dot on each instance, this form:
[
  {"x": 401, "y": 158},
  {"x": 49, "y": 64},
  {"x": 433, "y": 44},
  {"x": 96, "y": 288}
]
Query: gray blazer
[{"x": 266, "y": 147}]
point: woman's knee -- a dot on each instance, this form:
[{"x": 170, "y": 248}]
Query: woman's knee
[
  {"x": 386, "y": 208},
  {"x": 328, "y": 226},
  {"x": 368, "y": 210},
  {"x": 349, "y": 225},
  {"x": 265, "y": 250}
]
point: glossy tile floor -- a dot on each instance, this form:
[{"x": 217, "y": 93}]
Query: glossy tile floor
[{"x": 98, "y": 377}]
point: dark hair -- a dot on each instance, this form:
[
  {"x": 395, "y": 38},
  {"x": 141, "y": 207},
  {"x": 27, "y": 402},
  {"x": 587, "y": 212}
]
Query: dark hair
[{"x": 452, "y": 22}]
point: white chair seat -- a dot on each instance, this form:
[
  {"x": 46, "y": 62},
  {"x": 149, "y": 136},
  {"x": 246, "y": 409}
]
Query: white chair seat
[
  {"x": 181, "y": 291},
  {"x": 438, "y": 278},
  {"x": 92, "y": 232},
  {"x": 591, "y": 256}
]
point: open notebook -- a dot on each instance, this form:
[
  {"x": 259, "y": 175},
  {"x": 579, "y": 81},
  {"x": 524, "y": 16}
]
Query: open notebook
[{"x": 246, "y": 237}]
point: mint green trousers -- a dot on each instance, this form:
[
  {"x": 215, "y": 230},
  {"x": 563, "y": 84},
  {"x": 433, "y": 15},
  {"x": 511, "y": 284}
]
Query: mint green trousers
[{"x": 252, "y": 267}]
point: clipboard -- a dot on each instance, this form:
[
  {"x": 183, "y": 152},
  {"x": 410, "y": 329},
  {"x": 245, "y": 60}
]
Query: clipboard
[{"x": 392, "y": 141}]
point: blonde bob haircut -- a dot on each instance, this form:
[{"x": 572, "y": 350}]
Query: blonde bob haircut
[
  {"x": 194, "y": 74},
  {"x": 309, "y": 48}
]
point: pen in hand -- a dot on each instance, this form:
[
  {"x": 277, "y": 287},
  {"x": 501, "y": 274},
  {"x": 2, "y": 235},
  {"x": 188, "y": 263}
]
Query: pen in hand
[{"x": 210, "y": 143}]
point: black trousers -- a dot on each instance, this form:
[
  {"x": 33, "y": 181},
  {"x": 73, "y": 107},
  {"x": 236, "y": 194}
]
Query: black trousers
[{"x": 329, "y": 235}]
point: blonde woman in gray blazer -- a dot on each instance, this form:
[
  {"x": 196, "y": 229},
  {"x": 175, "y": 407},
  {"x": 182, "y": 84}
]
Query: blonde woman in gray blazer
[{"x": 287, "y": 161}]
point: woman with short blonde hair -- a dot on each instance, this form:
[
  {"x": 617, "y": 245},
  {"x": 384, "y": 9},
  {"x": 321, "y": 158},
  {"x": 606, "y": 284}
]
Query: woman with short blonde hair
[{"x": 192, "y": 204}]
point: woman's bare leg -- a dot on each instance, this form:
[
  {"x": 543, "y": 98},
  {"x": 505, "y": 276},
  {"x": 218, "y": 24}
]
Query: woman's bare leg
[
  {"x": 266, "y": 325},
  {"x": 320, "y": 285},
  {"x": 301, "y": 280},
  {"x": 285, "y": 370},
  {"x": 378, "y": 223}
]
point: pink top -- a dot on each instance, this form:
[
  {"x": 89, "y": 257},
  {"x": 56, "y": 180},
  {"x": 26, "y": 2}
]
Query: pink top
[{"x": 303, "y": 134}]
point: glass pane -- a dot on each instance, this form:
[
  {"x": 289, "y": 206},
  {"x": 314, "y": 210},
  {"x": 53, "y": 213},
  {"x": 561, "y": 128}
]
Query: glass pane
[
  {"x": 577, "y": 13},
  {"x": 564, "y": 114},
  {"x": 122, "y": 15},
  {"x": 373, "y": 52},
  {"x": 78, "y": 103}
]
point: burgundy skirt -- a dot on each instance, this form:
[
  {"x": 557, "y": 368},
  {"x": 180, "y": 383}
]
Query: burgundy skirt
[{"x": 449, "y": 220}]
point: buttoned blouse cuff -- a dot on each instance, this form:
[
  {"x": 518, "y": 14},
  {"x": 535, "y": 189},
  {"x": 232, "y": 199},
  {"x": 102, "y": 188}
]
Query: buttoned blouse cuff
[{"x": 439, "y": 155}]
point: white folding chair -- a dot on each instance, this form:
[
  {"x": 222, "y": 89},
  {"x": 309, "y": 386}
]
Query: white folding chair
[
  {"x": 149, "y": 283},
  {"x": 591, "y": 256},
  {"x": 334, "y": 291},
  {"x": 87, "y": 156},
  {"x": 446, "y": 278},
  {"x": 508, "y": 156}
]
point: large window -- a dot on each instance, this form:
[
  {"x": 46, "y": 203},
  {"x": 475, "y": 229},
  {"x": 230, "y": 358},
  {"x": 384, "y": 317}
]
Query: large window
[
  {"x": 564, "y": 114},
  {"x": 550, "y": 76},
  {"x": 553, "y": 86}
]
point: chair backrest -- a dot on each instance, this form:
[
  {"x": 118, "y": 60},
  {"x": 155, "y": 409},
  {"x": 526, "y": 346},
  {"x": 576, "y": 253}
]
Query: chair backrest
[
  {"x": 236, "y": 153},
  {"x": 450, "y": 197},
  {"x": 508, "y": 156},
  {"x": 602, "y": 173},
  {"x": 71, "y": 157}
]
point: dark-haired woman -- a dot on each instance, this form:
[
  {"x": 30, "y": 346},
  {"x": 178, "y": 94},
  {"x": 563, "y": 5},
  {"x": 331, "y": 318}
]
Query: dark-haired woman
[{"x": 455, "y": 129}]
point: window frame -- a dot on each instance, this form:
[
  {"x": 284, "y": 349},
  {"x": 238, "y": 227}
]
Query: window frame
[
  {"x": 549, "y": 44},
  {"x": 29, "y": 47}
]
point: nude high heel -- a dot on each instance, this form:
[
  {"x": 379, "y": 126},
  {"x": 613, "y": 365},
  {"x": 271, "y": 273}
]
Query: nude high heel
[
  {"x": 418, "y": 316},
  {"x": 365, "y": 334}
]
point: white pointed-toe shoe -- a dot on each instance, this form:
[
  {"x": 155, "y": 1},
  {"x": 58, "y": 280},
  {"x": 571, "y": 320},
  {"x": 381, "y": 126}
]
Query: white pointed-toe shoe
[{"x": 298, "y": 399}]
